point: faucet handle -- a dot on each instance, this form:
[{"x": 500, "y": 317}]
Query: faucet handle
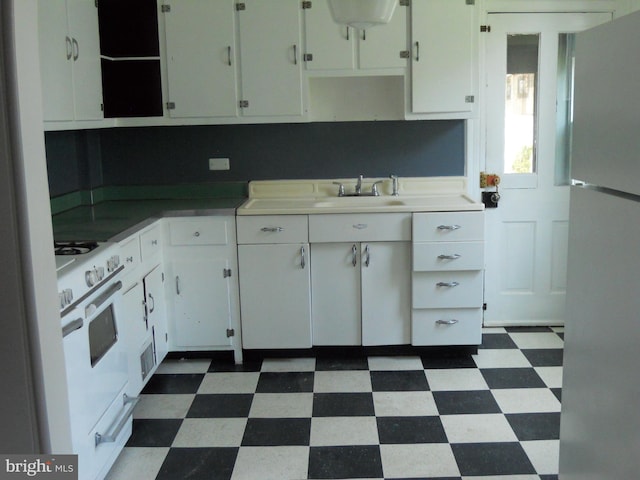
[
  {"x": 340, "y": 189},
  {"x": 374, "y": 188}
]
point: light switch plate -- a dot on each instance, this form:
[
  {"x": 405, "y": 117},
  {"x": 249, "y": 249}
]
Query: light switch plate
[{"x": 218, "y": 164}]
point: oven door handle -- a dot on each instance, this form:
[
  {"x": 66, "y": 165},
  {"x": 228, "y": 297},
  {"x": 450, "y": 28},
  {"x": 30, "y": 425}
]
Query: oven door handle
[
  {"x": 72, "y": 327},
  {"x": 115, "y": 429},
  {"x": 93, "y": 306}
]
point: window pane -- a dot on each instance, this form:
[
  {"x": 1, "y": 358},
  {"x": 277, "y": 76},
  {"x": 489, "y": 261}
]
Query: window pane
[
  {"x": 564, "y": 110},
  {"x": 521, "y": 104}
]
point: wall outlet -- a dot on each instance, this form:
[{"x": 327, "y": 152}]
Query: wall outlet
[{"x": 218, "y": 164}]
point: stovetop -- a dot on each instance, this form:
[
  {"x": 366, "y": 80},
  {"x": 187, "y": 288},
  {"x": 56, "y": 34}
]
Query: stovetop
[{"x": 74, "y": 247}]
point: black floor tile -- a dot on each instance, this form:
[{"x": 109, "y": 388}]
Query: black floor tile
[
  {"x": 174, "y": 383},
  {"x": 345, "y": 363},
  {"x": 465, "y": 402},
  {"x": 345, "y": 462},
  {"x": 198, "y": 464},
  {"x": 535, "y": 426},
  {"x": 558, "y": 393},
  {"x": 512, "y": 378},
  {"x": 156, "y": 432},
  {"x": 458, "y": 361},
  {"x": 285, "y": 382},
  {"x": 227, "y": 405},
  {"x": 261, "y": 432},
  {"x": 475, "y": 459},
  {"x": 497, "y": 340},
  {"x": 548, "y": 477},
  {"x": 527, "y": 329},
  {"x": 397, "y": 381},
  {"x": 401, "y": 430},
  {"x": 226, "y": 366},
  {"x": 544, "y": 357},
  {"x": 560, "y": 334},
  {"x": 343, "y": 404}
]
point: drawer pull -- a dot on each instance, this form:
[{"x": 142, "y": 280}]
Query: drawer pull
[
  {"x": 447, "y": 284},
  {"x": 449, "y": 227},
  {"x": 154, "y": 242},
  {"x": 360, "y": 226},
  {"x": 455, "y": 256},
  {"x": 129, "y": 259},
  {"x": 453, "y": 321},
  {"x": 272, "y": 229},
  {"x": 196, "y": 234}
]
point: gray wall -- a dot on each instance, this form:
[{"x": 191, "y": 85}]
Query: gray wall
[{"x": 171, "y": 155}]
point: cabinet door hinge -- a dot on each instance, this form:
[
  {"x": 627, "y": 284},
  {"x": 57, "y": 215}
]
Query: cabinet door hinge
[
  {"x": 469, "y": 99},
  {"x": 484, "y": 306},
  {"x": 96, "y": 3},
  {"x": 404, "y": 3},
  {"x": 165, "y": 8},
  {"x": 243, "y": 103},
  {"x": 240, "y": 7},
  {"x": 470, "y": 2},
  {"x": 171, "y": 106},
  {"x": 102, "y": 107},
  {"x": 405, "y": 54},
  {"x": 485, "y": 28},
  {"x": 306, "y": 5},
  {"x": 230, "y": 332},
  {"x": 226, "y": 272},
  {"x": 307, "y": 57}
]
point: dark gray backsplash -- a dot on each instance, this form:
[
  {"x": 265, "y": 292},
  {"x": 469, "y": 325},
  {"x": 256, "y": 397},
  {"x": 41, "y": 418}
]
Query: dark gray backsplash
[{"x": 173, "y": 155}]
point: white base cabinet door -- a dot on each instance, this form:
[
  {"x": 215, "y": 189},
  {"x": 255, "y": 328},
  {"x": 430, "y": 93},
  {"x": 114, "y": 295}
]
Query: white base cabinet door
[
  {"x": 157, "y": 311},
  {"x": 201, "y": 304},
  {"x": 275, "y": 299}
]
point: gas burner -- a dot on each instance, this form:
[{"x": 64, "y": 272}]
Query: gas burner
[{"x": 74, "y": 248}]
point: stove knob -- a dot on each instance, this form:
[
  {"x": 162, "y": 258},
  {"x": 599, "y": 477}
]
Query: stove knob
[
  {"x": 113, "y": 263},
  {"x": 116, "y": 260},
  {"x": 68, "y": 295},
  {"x": 99, "y": 273},
  {"x": 91, "y": 277}
]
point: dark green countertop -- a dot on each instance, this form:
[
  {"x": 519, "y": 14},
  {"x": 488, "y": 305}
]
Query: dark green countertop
[{"x": 115, "y": 220}]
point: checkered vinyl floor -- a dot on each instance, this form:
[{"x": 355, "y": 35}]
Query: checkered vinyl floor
[{"x": 494, "y": 415}]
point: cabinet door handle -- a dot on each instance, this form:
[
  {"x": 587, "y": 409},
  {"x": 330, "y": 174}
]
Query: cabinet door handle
[
  {"x": 153, "y": 304},
  {"x": 295, "y": 54},
  {"x": 455, "y": 256},
  {"x": 452, "y": 321},
  {"x": 272, "y": 229},
  {"x": 449, "y": 227},
  {"x": 447, "y": 284},
  {"x": 367, "y": 256},
  {"x": 417, "y": 51},
  {"x": 229, "y": 55},
  {"x": 69, "y": 47},
  {"x": 348, "y": 34},
  {"x": 364, "y": 34},
  {"x": 354, "y": 255},
  {"x": 177, "y": 285},
  {"x": 303, "y": 261},
  {"x": 76, "y": 49}
]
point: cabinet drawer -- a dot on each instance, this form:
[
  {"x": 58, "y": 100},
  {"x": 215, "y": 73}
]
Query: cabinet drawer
[
  {"x": 200, "y": 231},
  {"x": 438, "y": 256},
  {"x": 446, "y": 326},
  {"x": 130, "y": 253},
  {"x": 455, "y": 289},
  {"x": 448, "y": 226},
  {"x": 273, "y": 229},
  {"x": 150, "y": 243},
  {"x": 364, "y": 227}
]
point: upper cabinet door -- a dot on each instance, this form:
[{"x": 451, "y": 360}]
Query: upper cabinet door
[
  {"x": 271, "y": 57},
  {"x": 201, "y": 65},
  {"x": 331, "y": 45},
  {"x": 380, "y": 46},
  {"x": 442, "y": 56}
]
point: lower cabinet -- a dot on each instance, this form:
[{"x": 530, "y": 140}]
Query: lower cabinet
[
  {"x": 275, "y": 303},
  {"x": 361, "y": 293}
]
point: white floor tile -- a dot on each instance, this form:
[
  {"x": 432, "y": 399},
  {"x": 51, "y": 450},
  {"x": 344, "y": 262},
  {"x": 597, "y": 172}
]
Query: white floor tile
[
  {"x": 184, "y": 365},
  {"x": 210, "y": 432},
  {"x": 418, "y": 460},
  {"x": 282, "y": 405},
  {"x": 544, "y": 455},
  {"x": 289, "y": 365},
  {"x": 500, "y": 358},
  {"x": 341, "y": 431},
  {"x": 398, "y": 404},
  {"x": 342, "y": 381},
  {"x": 395, "y": 363},
  {"x": 141, "y": 463},
  {"x": 229, "y": 382},
  {"x": 551, "y": 376},
  {"x": 526, "y": 400},
  {"x": 163, "y": 406},
  {"x": 537, "y": 340},
  {"x": 455, "y": 379},
  {"x": 271, "y": 463},
  {"x": 477, "y": 428}
]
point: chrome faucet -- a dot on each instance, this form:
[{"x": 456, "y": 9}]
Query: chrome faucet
[{"x": 359, "y": 184}]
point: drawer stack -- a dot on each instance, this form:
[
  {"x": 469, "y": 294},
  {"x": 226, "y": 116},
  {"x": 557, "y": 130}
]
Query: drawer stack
[{"x": 447, "y": 278}]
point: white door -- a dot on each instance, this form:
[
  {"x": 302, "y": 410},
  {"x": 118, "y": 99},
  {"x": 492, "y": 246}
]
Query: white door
[
  {"x": 332, "y": 45},
  {"x": 380, "y": 46},
  {"x": 528, "y": 117}
]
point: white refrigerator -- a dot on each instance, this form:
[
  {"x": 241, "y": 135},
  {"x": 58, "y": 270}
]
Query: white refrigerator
[{"x": 600, "y": 420}]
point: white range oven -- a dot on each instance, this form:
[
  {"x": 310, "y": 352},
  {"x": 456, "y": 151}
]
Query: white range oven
[{"x": 90, "y": 292}]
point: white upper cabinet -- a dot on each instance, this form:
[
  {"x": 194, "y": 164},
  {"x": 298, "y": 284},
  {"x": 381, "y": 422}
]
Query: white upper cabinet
[
  {"x": 70, "y": 60},
  {"x": 201, "y": 65},
  {"x": 442, "y": 66},
  {"x": 271, "y": 57},
  {"x": 330, "y": 46}
]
